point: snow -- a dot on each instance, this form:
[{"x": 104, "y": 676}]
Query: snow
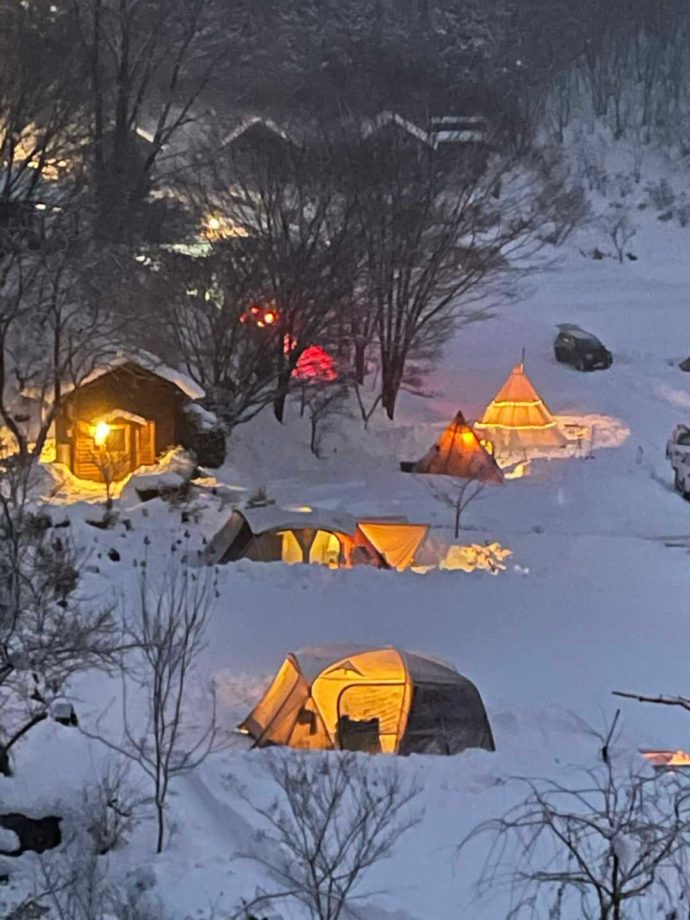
[
  {"x": 592, "y": 599},
  {"x": 149, "y": 362},
  {"x": 205, "y": 420}
]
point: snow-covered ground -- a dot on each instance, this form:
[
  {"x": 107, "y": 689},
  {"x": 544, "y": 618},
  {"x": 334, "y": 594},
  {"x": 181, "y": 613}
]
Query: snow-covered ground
[{"x": 592, "y": 599}]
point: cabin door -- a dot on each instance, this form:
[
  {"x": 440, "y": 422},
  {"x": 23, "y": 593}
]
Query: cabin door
[
  {"x": 145, "y": 445},
  {"x": 118, "y": 450}
]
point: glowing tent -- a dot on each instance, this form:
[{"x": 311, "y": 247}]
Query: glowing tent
[
  {"x": 458, "y": 452},
  {"x": 317, "y": 536},
  {"x": 375, "y": 700},
  {"x": 519, "y": 419}
]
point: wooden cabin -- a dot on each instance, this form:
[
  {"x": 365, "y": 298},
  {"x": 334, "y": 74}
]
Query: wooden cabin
[{"x": 121, "y": 417}]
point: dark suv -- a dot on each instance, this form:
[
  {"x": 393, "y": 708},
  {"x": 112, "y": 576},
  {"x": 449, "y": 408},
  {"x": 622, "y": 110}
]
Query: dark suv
[{"x": 581, "y": 349}]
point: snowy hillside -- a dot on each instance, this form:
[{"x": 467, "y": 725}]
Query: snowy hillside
[{"x": 592, "y": 600}]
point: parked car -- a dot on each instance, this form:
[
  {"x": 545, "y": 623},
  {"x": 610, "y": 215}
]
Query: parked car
[
  {"x": 580, "y": 349},
  {"x": 678, "y": 452}
]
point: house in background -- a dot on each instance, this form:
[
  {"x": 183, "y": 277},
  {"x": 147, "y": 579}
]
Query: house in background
[
  {"x": 257, "y": 139},
  {"x": 394, "y": 128},
  {"x": 123, "y": 415}
]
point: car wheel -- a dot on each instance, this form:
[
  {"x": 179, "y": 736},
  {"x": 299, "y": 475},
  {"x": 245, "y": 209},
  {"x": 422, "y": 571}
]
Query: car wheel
[
  {"x": 677, "y": 481},
  {"x": 579, "y": 364}
]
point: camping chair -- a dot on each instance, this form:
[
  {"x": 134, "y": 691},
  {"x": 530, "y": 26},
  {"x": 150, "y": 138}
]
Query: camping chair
[{"x": 354, "y": 735}]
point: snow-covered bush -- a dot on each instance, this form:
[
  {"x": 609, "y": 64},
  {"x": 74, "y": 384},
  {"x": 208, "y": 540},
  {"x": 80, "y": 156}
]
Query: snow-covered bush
[
  {"x": 336, "y": 816},
  {"x": 109, "y": 809},
  {"x": 204, "y": 435},
  {"x": 610, "y": 842},
  {"x": 47, "y": 632}
]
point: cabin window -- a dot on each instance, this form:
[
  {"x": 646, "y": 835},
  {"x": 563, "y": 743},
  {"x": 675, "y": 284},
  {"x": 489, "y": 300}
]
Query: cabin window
[{"x": 115, "y": 441}]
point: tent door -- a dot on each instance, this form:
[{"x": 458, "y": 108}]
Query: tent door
[
  {"x": 366, "y": 703},
  {"x": 359, "y": 735}
]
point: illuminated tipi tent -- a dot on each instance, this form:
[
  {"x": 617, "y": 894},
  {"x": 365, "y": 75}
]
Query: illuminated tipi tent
[
  {"x": 458, "y": 452},
  {"x": 376, "y": 700},
  {"x": 518, "y": 419}
]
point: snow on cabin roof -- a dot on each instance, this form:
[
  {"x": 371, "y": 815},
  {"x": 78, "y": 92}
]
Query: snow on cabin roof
[{"x": 147, "y": 362}]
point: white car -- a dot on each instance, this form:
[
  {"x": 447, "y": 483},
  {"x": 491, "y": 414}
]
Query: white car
[{"x": 678, "y": 452}]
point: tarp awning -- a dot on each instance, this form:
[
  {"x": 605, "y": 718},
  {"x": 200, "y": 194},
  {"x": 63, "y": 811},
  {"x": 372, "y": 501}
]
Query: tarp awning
[{"x": 397, "y": 543}]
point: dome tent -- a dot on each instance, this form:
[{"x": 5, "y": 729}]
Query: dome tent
[
  {"x": 519, "y": 419},
  {"x": 459, "y": 452},
  {"x": 314, "y": 535},
  {"x": 375, "y": 700}
]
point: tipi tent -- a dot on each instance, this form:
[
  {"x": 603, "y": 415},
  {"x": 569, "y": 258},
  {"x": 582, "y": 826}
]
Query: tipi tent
[
  {"x": 458, "y": 452},
  {"x": 519, "y": 419},
  {"x": 375, "y": 700}
]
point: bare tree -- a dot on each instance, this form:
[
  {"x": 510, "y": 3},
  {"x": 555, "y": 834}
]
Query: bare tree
[
  {"x": 75, "y": 884},
  {"x": 111, "y": 469},
  {"x": 168, "y": 632},
  {"x": 457, "y": 494},
  {"x": 611, "y": 844},
  {"x": 206, "y": 324},
  {"x": 322, "y": 399},
  {"x": 39, "y": 113},
  {"x": 53, "y": 330},
  {"x": 682, "y": 701},
  {"x": 146, "y": 64},
  {"x": 48, "y": 632},
  {"x": 620, "y": 230},
  {"x": 110, "y": 808},
  {"x": 300, "y": 224},
  {"x": 431, "y": 239},
  {"x": 337, "y": 817}
]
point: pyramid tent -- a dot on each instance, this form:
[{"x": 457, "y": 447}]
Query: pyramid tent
[
  {"x": 375, "y": 700},
  {"x": 519, "y": 419},
  {"x": 459, "y": 452}
]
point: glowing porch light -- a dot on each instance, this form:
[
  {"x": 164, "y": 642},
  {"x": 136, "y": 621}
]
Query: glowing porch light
[{"x": 100, "y": 433}]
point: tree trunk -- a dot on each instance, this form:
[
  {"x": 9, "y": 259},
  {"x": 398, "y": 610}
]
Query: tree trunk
[
  {"x": 160, "y": 817},
  {"x": 360, "y": 359},
  {"x": 313, "y": 445},
  {"x": 391, "y": 380},
  {"x": 281, "y": 394}
]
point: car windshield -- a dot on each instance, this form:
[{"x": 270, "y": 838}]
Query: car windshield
[{"x": 588, "y": 341}]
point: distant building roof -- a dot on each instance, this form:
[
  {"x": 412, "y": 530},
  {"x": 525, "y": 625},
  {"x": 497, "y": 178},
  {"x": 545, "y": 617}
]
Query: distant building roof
[
  {"x": 254, "y": 121},
  {"x": 387, "y": 118},
  {"x": 454, "y": 129}
]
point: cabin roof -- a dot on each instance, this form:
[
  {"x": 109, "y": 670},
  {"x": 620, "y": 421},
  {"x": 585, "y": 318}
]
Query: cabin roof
[{"x": 116, "y": 359}]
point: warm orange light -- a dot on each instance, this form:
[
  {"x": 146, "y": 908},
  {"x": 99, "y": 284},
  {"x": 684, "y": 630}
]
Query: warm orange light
[
  {"x": 100, "y": 433},
  {"x": 519, "y": 427},
  {"x": 667, "y": 758},
  {"x": 260, "y": 316}
]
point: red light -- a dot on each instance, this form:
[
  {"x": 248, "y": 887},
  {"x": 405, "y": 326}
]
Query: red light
[{"x": 315, "y": 364}]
